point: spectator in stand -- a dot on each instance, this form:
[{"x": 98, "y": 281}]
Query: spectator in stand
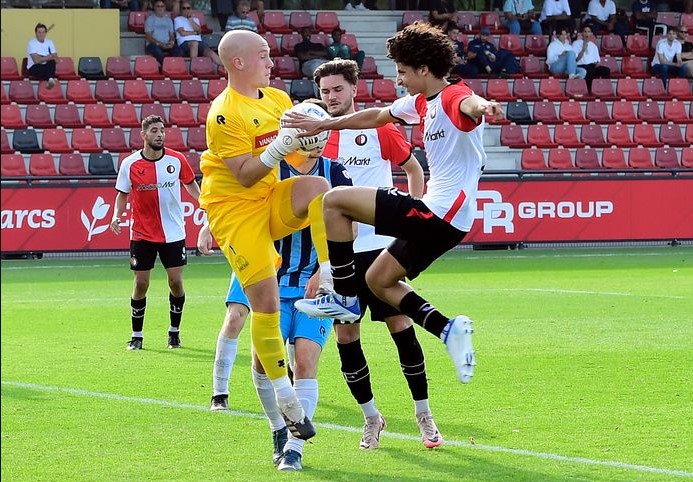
[
  {"x": 310, "y": 54},
  {"x": 132, "y": 5},
  {"x": 601, "y": 17},
  {"x": 355, "y": 5},
  {"x": 188, "y": 35},
  {"x": 441, "y": 12},
  {"x": 240, "y": 20},
  {"x": 667, "y": 58},
  {"x": 41, "y": 56},
  {"x": 555, "y": 14},
  {"x": 462, "y": 68},
  {"x": 172, "y": 6},
  {"x": 483, "y": 54},
  {"x": 343, "y": 51},
  {"x": 560, "y": 57},
  {"x": 686, "y": 53},
  {"x": 587, "y": 57},
  {"x": 159, "y": 34},
  {"x": 645, "y": 14},
  {"x": 519, "y": 17}
]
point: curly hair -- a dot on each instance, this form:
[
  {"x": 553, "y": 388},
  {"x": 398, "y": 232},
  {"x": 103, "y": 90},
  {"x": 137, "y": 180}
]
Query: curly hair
[
  {"x": 422, "y": 44},
  {"x": 338, "y": 66},
  {"x": 149, "y": 120}
]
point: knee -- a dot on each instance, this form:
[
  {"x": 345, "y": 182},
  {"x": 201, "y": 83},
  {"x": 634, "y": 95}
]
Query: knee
[
  {"x": 347, "y": 333},
  {"x": 333, "y": 197},
  {"x": 141, "y": 286},
  {"x": 570, "y": 54}
]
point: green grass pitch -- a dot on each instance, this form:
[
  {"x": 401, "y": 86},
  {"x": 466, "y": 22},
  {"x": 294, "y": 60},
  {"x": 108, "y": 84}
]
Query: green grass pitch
[{"x": 585, "y": 373}]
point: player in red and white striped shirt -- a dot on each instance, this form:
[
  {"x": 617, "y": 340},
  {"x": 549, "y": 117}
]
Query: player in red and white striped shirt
[{"x": 151, "y": 178}]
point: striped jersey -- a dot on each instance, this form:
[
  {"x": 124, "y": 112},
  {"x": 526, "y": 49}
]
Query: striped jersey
[
  {"x": 454, "y": 149},
  {"x": 299, "y": 259},
  {"x": 154, "y": 188}
]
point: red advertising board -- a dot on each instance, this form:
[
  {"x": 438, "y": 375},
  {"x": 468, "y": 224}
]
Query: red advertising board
[{"x": 77, "y": 218}]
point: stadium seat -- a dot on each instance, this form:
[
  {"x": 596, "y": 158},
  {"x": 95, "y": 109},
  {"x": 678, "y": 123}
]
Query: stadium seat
[
  {"x": 610, "y": 62},
  {"x": 147, "y": 68},
  {"x": 6, "y": 148},
  {"x": 384, "y": 90},
  {"x": 182, "y": 115},
  {"x": 623, "y": 112},
  {"x": 560, "y": 159},
  {"x": 90, "y": 68},
  {"x": 577, "y": 89},
  {"x": 655, "y": 40},
  {"x": 613, "y": 158},
  {"x": 670, "y": 134},
  {"x": 636, "y": 44},
  {"x": 363, "y": 92},
  {"x": 687, "y": 157},
  {"x": 55, "y": 140},
  {"x": 22, "y": 92},
  {"x": 252, "y": 15},
  {"x": 299, "y": 20},
  {"x": 215, "y": 87},
  {"x": 101, "y": 164},
  {"x": 320, "y": 38},
  {"x": 532, "y": 159},
  {"x": 42, "y": 165},
  {"x": 612, "y": 45},
  {"x": 350, "y": 40},
  {"x": 644, "y": 135},
  {"x": 513, "y": 44},
  {"x": 194, "y": 161},
  {"x": 125, "y": 115},
  {"x": 538, "y": 135},
  {"x": 689, "y": 134},
  {"x": 628, "y": 89},
  {"x": 136, "y": 21},
  {"x": 618, "y": 135},
  {"x": 525, "y": 89},
  {"x": 640, "y": 158},
  {"x": 174, "y": 139},
  {"x": 570, "y": 111},
  {"x": 202, "y": 111},
  {"x": 551, "y": 89},
  {"x": 592, "y": 135},
  {"x": 518, "y": 112},
  {"x": 603, "y": 89},
  {"x": 65, "y": 69},
  {"x": 71, "y": 164},
  {"x": 326, "y": 22},
  {"x": 164, "y": 91},
  {"x": 9, "y": 70},
  {"x": 153, "y": 109},
  {"x": 666, "y": 158},
  {"x": 11, "y": 117},
  {"x": 96, "y": 115},
  {"x": 203, "y": 68},
  {"x": 648, "y": 111},
  {"x": 79, "y": 92},
  {"x": 416, "y": 138},
  {"x": 513, "y": 136},
  {"x": 26, "y": 141},
  {"x": 680, "y": 88},
  {"x": 533, "y": 67},
  {"x": 565, "y": 135},
  {"x": 67, "y": 116},
  {"x": 275, "y": 22},
  {"x": 686, "y": 20},
  {"x": 288, "y": 42},
  {"x": 598, "y": 112},
  {"x": 272, "y": 43},
  {"x": 108, "y": 92},
  {"x": 468, "y": 21},
  {"x": 586, "y": 158},
  {"x": 3, "y": 95},
  {"x": 477, "y": 86},
  {"x": 279, "y": 84},
  {"x": 197, "y": 139},
  {"x": 286, "y": 68},
  {"x": 536, "y": 45},
  {"x": 118, "y": 68},
  {"x": 135, "y": 138},
  {"x": 632, "y": 66},
  {"x": 135, "y": 91},
  {"x": 492, "y": 21},
  {"x": 38, "y": 116},
  {"x": 12, "y": 165},
  {"x": 175, "y": 68},
  {"x": 409, "y": 17},
  {"x": 84, "y": 140},
  {"x": 113, "y": 140},
  {"x": 545, "y": 111},
  {"x": 675, "y": 111},
  {"x": 496, "y": 89},
  {"x": 653, "y": 88},
  {"x": 302, "y": 89},
  {"x": 51, "y": 96},
  {"x": 369, "y": 70}
]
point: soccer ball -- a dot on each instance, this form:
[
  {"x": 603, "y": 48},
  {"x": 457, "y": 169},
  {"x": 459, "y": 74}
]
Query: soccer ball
[{"x": 305, "y": 144}]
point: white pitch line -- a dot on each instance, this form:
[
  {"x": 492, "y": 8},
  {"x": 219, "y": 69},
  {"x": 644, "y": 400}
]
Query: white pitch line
[{"x": 343, "y": 428}]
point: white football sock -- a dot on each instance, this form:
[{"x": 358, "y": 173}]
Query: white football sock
[
  {"x": 224, "y": 359},
  {"x": 369, "y": 409},
  {"x": 421, "y": 406},
  {"x": 265, "y": 392},
  {"x": 307, "y": 393}
]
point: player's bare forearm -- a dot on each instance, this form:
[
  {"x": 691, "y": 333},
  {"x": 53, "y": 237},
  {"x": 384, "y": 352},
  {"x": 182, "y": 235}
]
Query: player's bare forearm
[
  {"x": 363, "y": 119},
  {"x": 415, "y": 176},
  {"x": 248, "y": 170},
  {"x": 475, "y": 106},
  {"x": 193, "y": 189}
]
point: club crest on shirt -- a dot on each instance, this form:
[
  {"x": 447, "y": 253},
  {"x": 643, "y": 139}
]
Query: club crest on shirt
[
  {"x": 170, "y": 169},
  {"x": 361, "y": 140}
]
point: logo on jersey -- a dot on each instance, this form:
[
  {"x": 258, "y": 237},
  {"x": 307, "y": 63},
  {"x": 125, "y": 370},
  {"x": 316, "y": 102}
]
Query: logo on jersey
[
  {"x": 154, "y": 186},
  {"x": 498, "y": 214},
  {"x": 265, "y": 139},
  {"x": 361, "y": 140},
  {"x": 256, "y": 123},
  {"x": 241, "y": 263},
  {"x": 170, "y": 169},
  {"x": 281, "y": 363},
  {"x": 356, "y": 161},
  {"x": 321, "y": 330},
  {"x": 99, "y": 211},
  {"x": 221, "y": 120},
  {"x": 434, "y": 136},
  {"x": 433, "y": 112}
]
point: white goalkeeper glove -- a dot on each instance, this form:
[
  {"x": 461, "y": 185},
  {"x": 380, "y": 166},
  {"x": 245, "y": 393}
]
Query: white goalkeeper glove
[{"x": 286, "y": 142}]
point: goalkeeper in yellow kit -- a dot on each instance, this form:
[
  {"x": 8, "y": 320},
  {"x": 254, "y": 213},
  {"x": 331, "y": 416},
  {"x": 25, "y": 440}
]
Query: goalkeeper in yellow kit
[{"x": 248, "y": 208}]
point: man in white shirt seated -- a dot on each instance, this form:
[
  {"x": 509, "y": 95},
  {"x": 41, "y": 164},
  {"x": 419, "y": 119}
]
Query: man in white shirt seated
[
  {"x": 601, "y": 17},
  {"x": 560, "y": 57},
  {"x": 41, "y": 56},
  {"x": 667, "y": 58},
  {"x": 555, "y": 14}
]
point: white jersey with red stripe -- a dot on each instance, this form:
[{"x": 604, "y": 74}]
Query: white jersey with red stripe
[
  {"x": 367, "y": 155},
  {"x": 155, "y": 195},
  {"x": 454, "y": 149}
]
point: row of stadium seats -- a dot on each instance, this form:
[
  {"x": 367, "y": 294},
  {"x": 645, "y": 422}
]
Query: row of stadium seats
[{"x": 608, "y": 158}]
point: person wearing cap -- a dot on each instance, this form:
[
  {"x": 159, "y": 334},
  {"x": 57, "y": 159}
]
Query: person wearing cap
[{"x": 482, "y": 52}]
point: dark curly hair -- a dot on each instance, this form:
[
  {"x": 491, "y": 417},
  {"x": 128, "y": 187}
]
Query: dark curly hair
[{"x": 422, "y": 44}]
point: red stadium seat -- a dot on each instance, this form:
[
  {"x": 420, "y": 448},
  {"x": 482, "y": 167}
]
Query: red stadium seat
[
  {"x": 320, "y": 38},
  {"x": 175, "y": 68},
  {"x": 3, "y": 95},
  {"x": 289, "y": 41},
  {"x": 613, "y": 158},
  {"x": 65, "y": 69},
  {"x": 513, "y": 136},
  {"x": 68, "y": 116},
  {"x": 369, "y": 70},
  {"x": 96, "y": 115},
  {"x": 416, "y": 139},
  {"x": 147, "y": 67},
  {"x": 654, "y": 89},
  {"x": 598, "y": 112},
  {"x": 286, "y": 68},
  {"x": 670, "y": 134},
  {"x": 252, "y": 15},
  {"x": 22, "y": 92},
  {"x": 468, "y": 21},
  {"x": 300, "y": 20},
  {"x": 675, "y": 111},
  {"x": 545, "y": 112},
  {"x": 12, "y": 165},
  {"x": 135, "y": 138},
  {"x": 686, "y": 20},
  {"x": 648, "y": 111},
  {"x": 565, "y": 135},
  {"x": 113, "y": 140},
  {"x": 644, "y": 135},
  {"x": 79, "y": 92},
  {"x": 125, "y": 115},
  {"x": 108, "y": 92},
  {"x": 350, "y": 40},
  {"x": 39, "y": 116},
  {"x": 119, "y": 68},
  {"x": 71, "y": 164},
  {"x": 51, "y": 96},
  {"x": 326, "y": 22},
  {"x": 592, "y": 135},
  {"x": 666, "y": 158},
  {"x": 536, "y": 45},
  {"x": 136, "y": 21},
  {"x": 618, "y": 135},
  {"x": 197, "y": 140},
  {"x": 603, "y": 89},
  {"x": 623, "y": 112},
  {"x": 687, "y": 157},
  {"x": 363, "y": 92},
  {"x": 409, "y": 17},
  {"x": 612, "y": 65},
  {"x": 135, "y": 91},
  {"x": 492, "y": 21},
  {"x": 164, "y": 91},
  {"x": 538, "y": 135},
  {"x": 174, "y": 139},
  {"x": 192, "y": 91},
  {"x": 525, "y": 89},
  {"x": 194, "y": 161},
  {"x": 9, "y": 70},
  {"x": 275, "y": 22},
  {"x": 182, "y": 115},
  {"x": 636, "y": 44},
  {"x": 55, "y": 140},
  {"x": 272, "y": 43},
  {"x": 203, "y": 68},
  {"x": 551, "y": 89},
  {"x": 153, "y": 109},
  {"x": 496, "y": 89},
  {"x": 202, "y": 111},
  {"x": 640, "y": 158},
  {"x": 84, "y": 140},
  {"x": 577, "y": 89},
  {"x": 632, "y": 66},
  {"x": 513, "y": 44},
  {"x": 560, "y": 159},
  {"x": 570, "y": 111},
  {"x": 612, "y": 45},
  {"x": 6, "y": 148},
  {"x": 533, "y": 159},
  {"x": 11, "y": 117},
  {"x": 586, "y": 158},
  {"x": 279, "y": 84},
  {"x": 477, "y": 86},
  {"x": 215, "y": 87},
  {"x": 689, "y": 134},
  {"x": 680, "y": 89},
  {"x": 42, "y": 165},
  {"x": 533, "y": 67}
]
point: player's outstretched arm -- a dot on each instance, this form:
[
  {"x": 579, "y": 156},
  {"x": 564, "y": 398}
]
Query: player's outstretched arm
[
  {"x": 363, "y": 119},
  {"x": 475, "y": 107},
  {"x": 120, "y": 204}
]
